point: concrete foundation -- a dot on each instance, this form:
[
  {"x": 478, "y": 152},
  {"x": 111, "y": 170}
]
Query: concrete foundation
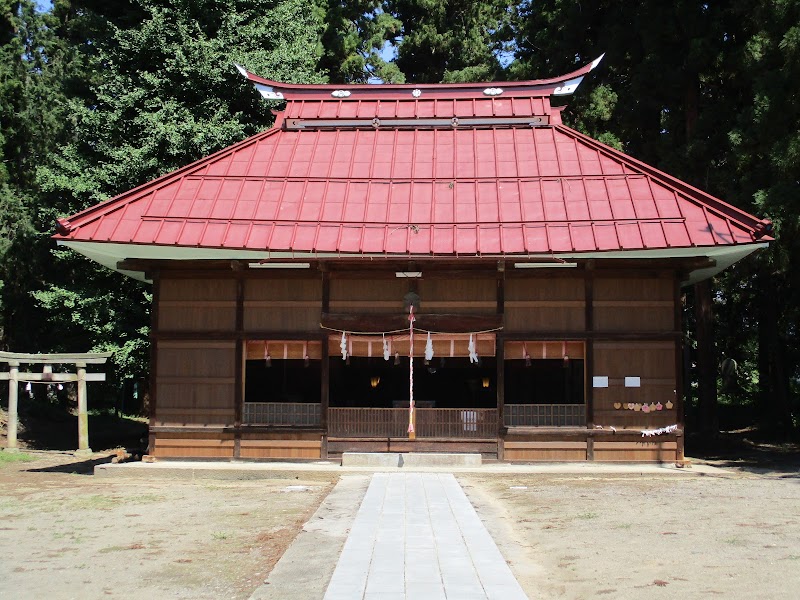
[
  {"x": 432, "y": 459},
  {"x": 409, "y": 459},
  {"x": 371, "y": 459}
]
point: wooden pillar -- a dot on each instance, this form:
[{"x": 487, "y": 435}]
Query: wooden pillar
[
  {"x": 153, "y": 403},
  {"x": 589, "y": 350},
  {"x": 13, "y": 394},
  {"x": 240, "y": 367},
  {"x": 325, "y": 365},
  {"x": 500, "y": 357},
  {"x": 83, "y": 415}
]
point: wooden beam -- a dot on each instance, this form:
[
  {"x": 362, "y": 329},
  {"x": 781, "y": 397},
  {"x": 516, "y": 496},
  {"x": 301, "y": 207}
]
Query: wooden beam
[
  {"x": 443, "y": 323},
  {"x": 51, "y": 377},
  {"x": 610, "y": 336},
  {"x": 219, "y": 336},
  {"x": 93, "y": 358}
]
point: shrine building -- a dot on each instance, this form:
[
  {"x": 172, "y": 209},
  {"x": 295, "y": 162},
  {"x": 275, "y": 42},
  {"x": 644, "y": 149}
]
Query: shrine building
[{"x": 542, "y": 270}]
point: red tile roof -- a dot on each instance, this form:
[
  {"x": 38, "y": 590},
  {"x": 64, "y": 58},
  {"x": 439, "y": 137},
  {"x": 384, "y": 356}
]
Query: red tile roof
[{"x": 323, "y": 181}]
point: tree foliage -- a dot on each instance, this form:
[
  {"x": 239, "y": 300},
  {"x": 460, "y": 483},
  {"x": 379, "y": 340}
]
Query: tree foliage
[
  {"x": 99, "y": 97},
  {"x": 354, "y": 35},
  {"x": 451, "y": 40},
  {"x": 102, "y": 98}
]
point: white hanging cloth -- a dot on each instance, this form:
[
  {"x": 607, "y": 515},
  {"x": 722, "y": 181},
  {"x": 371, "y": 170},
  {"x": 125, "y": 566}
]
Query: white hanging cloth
[
  {"x": 473, "y": 353},
  {"x": 343, "y": 346},
  {"x": 386, "y": 352},
  {"x": 429, "y": 348}
]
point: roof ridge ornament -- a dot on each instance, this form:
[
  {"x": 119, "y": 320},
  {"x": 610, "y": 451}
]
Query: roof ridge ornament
[
  {"x": 493, "y": 91},
  {"x": 568, "y": 88},
  {"x": 267, "y": 91},
  {"x": 340, "y": 93}
]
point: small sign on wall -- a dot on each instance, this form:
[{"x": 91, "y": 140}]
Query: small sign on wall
[
  {"x": 600, "y": 381},
  {"x": 633, "y": 382}
]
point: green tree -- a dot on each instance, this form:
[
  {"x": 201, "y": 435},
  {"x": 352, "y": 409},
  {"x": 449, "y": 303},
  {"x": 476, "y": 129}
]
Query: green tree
[
  {"x": 29, "y": 92},
  {"x": 765, "y": 138},
  {"x": 128, "y": 91},
  {"x": 354, "y": 35},
  {"x": 452, "y": 40}
]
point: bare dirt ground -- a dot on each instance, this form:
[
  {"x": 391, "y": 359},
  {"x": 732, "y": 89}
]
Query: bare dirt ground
[
  {"x": 736, "y": 536},
  {"x": 65, "y": 534}
]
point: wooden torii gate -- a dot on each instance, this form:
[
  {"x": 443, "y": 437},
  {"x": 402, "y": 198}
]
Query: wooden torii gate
[{"x": 14, "y": 377}]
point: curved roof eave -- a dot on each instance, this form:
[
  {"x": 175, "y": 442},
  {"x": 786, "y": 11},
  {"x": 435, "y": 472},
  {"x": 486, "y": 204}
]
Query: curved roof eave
[{"x": 560, "y": 86}]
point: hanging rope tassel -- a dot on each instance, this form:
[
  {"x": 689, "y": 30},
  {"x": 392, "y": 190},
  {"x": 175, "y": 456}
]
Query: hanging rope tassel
[
  {"x": 386, "y": 353},
  {"x": 343, "y": 346}
]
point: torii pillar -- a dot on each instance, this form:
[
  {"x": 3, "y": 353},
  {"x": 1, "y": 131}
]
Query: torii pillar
[{"x": 47, "y": 376}]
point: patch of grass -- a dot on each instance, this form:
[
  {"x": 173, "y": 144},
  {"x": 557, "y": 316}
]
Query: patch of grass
[
  {"x": 7, "y": 503},
  {"x": 96, "y": 502},
  {"x": 147, "y": 498},
  {"x": 586, "y": 516},
  {"x": 113, "y": 549},
  {"x": 734, "y": 541},
  {"x": 15, "y": 457},
  {"x": 220, "y": 535}
]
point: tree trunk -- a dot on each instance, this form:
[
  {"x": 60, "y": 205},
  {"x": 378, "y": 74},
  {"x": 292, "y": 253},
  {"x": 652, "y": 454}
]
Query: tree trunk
[
  {"x": 706, "y": 359},
  {"x": 763, "y": 411},
  {"x": 774, "y": 396}
]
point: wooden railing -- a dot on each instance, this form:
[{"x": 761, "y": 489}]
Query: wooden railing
[
  {"x": 430, "y": 422},
  {"x": 473, "y": 423},
  {"x": 298, "y": 414},
  {"x": 544, "y": 415}
]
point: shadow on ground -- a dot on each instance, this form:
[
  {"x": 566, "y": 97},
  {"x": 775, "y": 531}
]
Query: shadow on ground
[
  {"x": 79, "y": 467},
  {"x": 747, "y": 450},
  {"x": 53, "y": 428}
]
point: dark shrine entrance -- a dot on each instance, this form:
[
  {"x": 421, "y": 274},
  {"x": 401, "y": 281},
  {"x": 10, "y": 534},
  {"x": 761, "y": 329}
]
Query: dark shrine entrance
[
  {"x": 442, "y": 383},
  {"x": 455, "y": 397}
]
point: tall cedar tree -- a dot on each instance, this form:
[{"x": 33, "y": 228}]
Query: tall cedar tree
[
  {"x": 354, "y": 35},
  {"x": 451, "y": 40},
  {"x": 705, "y": 92}
]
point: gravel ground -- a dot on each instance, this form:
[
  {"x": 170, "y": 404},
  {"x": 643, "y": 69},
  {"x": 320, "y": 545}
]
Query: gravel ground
[
  {"x": 736, "y": 536},
  {"x": 66, "y": 534},
  {"x": 70, "y": 535}
]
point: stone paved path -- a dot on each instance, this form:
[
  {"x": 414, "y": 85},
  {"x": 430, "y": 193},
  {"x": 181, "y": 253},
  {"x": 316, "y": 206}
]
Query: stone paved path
[{"x": 416, "y": 536}]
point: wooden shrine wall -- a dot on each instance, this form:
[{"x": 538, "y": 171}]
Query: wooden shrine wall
[
  {"x": 545, "y": 304},
  {"x": 282, "y": 305},
  {"x": 627, "y": 321},
  {"x": 631, "y": 330},
  {"x": 372, "y": 295},
  {"x": 202, "y": 327}
]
